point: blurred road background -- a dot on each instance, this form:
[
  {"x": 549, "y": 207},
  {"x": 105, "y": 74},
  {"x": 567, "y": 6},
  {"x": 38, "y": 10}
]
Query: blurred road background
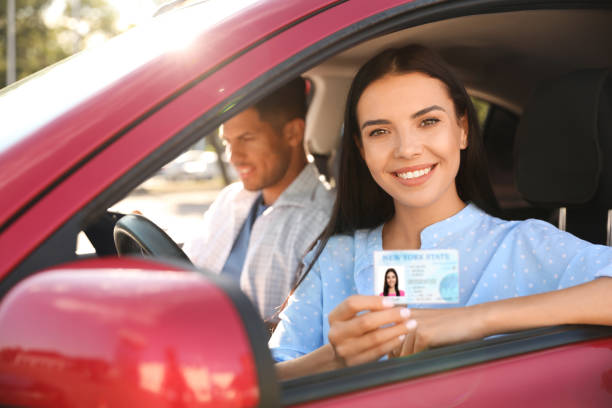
[
  {"x": 176, "y": 199},
  {"x": 176, "y": 207}
]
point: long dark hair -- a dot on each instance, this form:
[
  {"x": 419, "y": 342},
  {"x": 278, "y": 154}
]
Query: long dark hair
[
  {"x": 364, "y": 204},
  {"x": 386, "y": 287}
]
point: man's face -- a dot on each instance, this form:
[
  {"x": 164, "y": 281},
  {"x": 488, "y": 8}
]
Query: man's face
[{"x": 260, "y": 154}]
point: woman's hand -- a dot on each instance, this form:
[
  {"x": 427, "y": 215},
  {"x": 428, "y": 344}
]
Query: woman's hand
[
  {"x": 358, "y": 338},
  {"x": 441, "y": 327}
]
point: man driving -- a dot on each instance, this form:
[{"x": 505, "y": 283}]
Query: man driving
[{"x": 257, "y": 230}]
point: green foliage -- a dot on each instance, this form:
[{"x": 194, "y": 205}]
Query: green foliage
[
  {"x": 39, "y": 45},
  {"x": 99, "y": 16}
]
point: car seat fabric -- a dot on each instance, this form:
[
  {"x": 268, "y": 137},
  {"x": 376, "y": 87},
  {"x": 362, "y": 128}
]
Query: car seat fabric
[
  {"x": 499, "y": 133},
  {"x": 564, "y": 150}
]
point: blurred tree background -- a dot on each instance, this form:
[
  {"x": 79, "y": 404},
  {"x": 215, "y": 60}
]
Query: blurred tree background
[{"x": 50, "y": 30}]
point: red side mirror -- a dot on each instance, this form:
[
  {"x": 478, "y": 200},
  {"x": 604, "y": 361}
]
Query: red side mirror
[{"x": 98, "y": 334}]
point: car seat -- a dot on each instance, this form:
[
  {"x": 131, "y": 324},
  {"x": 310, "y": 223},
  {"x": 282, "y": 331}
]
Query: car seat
[{"x": 563, "y": 152}]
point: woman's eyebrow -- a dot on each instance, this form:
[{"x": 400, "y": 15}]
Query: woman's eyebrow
[
  {"x": 427, "y": 110},
  {"x": 374, "y": 122},
  {"x": 413, "y": 116}
]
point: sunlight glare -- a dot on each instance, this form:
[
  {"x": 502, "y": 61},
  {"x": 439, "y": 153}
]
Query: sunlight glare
[
  {"x": 93, "y": 69},
  {"x": 132, "y": 12},
  {"x": 181, "y": 32}
]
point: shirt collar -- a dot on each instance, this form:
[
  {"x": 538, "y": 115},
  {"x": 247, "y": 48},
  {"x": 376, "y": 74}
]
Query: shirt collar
[
  {"x": 304, "y": 184},
  {"x": 368, "y": 241}
]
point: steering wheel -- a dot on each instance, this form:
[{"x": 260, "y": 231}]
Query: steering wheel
[{"x": 135, "y": 234}]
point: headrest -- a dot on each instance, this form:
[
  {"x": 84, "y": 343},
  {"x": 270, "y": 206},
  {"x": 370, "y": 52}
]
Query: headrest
[{"x": 564, "y": 141}]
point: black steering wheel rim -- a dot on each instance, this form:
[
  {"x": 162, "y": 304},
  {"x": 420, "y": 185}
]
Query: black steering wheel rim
[{"x": 135, "y": 234}]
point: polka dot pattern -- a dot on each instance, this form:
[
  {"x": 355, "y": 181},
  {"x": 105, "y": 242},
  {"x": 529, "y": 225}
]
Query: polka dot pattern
[{"x": 498, "y": 260}]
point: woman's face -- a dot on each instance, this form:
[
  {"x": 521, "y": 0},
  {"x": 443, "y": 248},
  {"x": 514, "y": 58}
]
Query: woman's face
[
  {"x": 391, "y": 279},
  {"x": 411, "y": 139}
]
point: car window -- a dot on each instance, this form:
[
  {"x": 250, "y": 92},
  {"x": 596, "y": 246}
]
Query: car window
[{"x": 177, "y": 195}]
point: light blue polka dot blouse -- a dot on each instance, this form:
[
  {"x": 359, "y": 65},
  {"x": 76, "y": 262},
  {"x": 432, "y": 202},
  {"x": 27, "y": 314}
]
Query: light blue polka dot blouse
[{"x": 497, "y": 259}]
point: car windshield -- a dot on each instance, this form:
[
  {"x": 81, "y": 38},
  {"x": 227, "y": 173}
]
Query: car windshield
[{"x": 56, "y": 89}]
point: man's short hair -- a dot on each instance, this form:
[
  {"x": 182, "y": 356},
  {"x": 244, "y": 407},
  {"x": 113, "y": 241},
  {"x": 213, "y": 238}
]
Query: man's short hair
[{"x": 283, "y": 105}]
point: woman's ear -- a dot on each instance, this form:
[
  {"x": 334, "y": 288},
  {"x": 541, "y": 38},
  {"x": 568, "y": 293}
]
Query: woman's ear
[
  {"x": 293, "y": 132},
  {"x": 465, "y": 129}
]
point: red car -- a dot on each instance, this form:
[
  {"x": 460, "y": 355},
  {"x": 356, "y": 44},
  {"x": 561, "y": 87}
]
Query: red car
[{"x": 100, "y": 330}]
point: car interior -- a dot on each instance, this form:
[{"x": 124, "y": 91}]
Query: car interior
[
  {"x": 506, "y": 70},
  {"x": 502, "y": 67}
]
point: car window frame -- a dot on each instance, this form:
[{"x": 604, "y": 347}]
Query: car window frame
[{"x": 397, "y": 18}]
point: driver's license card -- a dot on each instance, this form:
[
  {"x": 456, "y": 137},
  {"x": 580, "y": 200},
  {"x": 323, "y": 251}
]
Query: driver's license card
[{"x": 422, "y": 276}]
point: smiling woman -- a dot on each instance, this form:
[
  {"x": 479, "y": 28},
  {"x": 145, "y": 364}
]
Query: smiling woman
[
  {"x": 412, "y": 127},
  {"x": 414, "y": 141}
]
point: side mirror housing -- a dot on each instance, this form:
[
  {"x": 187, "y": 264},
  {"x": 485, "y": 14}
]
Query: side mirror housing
[{"x": 131, "y": 332}]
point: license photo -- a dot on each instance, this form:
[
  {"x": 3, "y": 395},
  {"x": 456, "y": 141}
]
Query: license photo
[{"x": 417, "y": 276}]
